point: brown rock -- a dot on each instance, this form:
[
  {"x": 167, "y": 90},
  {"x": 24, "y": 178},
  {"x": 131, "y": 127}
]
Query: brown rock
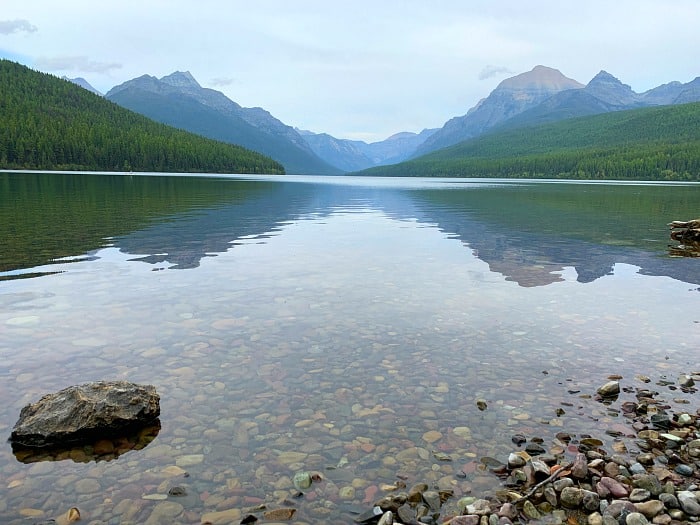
[
  {"x": 86, "y": 412},
  {"x": 103, "y": 446},
  {"x": 283, "y": 514},
  {"x": 611, "y": 486},
  {"x": 70, "y": 516},
  {"x": 465, "y": 520},
  {"x": 650, "y": 508},
  {"x": 579, "y": 469}
]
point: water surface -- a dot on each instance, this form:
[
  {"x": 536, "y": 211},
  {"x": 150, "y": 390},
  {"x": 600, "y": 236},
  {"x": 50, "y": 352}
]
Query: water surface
[{"x": 338, "y": 325}]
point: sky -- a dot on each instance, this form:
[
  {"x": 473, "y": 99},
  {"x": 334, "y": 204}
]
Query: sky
[{"x": 356, "y": 69}]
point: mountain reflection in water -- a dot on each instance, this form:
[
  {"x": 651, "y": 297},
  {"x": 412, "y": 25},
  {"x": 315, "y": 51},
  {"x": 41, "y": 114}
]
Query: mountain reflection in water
[{"x": 528, "y": 232}]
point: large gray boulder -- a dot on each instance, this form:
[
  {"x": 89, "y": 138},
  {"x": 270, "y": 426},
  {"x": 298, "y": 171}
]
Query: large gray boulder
[{"x": 86, "y": 412}]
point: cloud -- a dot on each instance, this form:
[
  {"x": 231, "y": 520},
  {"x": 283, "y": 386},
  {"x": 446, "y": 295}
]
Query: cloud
[
  {"x": 492, "y": 71},
  {"x": 75, "y": 63},
  {"x": 223, "y": 81},
  {"x": 7, "y": 27}
]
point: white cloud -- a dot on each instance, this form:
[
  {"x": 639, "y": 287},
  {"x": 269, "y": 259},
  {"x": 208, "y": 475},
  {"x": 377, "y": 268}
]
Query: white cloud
[
  {"x": 494, "y": 71},
  {"x": 8, "y": 27},
  {"x": 75, "y": 63},
  {"x": 222, "y": 81},
  {"x": 361, "y": 67}
]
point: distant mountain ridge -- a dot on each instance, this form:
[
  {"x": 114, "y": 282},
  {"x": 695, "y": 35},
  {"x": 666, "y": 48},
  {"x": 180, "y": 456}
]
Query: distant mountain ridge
[
  {"x": 541, "y": 95},
  {"x": 178, "y": 100},
  {"x": 546, "y": 95},
  {"x": 648, "y": 143},
  {"x": 511, "y": 97},
  {"x": 173, "y": 100},
  {"x": 354, "y": 155},
  {"x": 80, "y": 81}
]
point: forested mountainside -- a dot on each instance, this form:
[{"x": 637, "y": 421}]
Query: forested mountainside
[
  {"x": 658, "y": 143},
  {"x": 48, "y": 123},
  {"x": 178, "y": 100}
]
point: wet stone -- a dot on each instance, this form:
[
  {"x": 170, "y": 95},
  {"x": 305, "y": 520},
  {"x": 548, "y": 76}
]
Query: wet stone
[
  {"x": 562, "y": 483},
  {"x": 637, "y": 468},
  {"x": 177, "y": 492},
  {"x": 619, "y": 508},
  {"x": 669, "y": 500},
  {"x": 685, "y": 420},
  {"x": 571, "y": 497},
  {"x": 515, "y": 460},
  {"x": 550, "y": 495},
  {"x": 87, "y": 486},
  {"x": 347, "y": 492},
  {"x": 530, "y": 511},
  {"x": 164, "y": 513},
  {"x": 283, "y": 514},
  {"x": 590, "y": 500},
  {"x": 432, "y": 436},
  {"x": 613, "y": 487},
  {"x": 370, "y": 516},
  {"x": 579, "y": 469},
  {"x": 480, "y": 507},
  {"x": 222, "y": 516},
  {"x": 677, "y": 514},
  {"x": 302, "y": 480},
  {"x": 639, "y": 495},
  {"x": 686, "y": 381},
  {"x": 406, "y": 513},
  {"x": 595, "y": 518},
  {"x": 189, "y": 460},
  {"x": 609, "y": 389},
  {"x": 465, "y": 520},
  {"x": 432, "y": 499},
  {"x": 519, "y": 439},
  {"x": 689, "y": 502},
  {"x": 650, "y": 508},
  {"x": 650, "y": 483},
  {"x": 534, "y": 449},
  {"x": 386, "y": 519},
  {"x": 508, "y": 510},
  {"x": 684, "y": 470},
  {"x": 635, "y": 518}
]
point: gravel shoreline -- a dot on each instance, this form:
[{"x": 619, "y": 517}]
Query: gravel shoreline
[{"x": 651, "y": 476}]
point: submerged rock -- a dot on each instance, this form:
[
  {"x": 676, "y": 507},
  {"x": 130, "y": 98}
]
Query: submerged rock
[
  {"x": 86, "y": 412},
  {"x": 302, "y": 480},
  {"x": 609, "y": 389}
]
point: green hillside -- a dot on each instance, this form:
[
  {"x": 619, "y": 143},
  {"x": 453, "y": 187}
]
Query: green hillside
[
  {"x": 660, "y": 143},
  {"x": 51, "y": 124}
]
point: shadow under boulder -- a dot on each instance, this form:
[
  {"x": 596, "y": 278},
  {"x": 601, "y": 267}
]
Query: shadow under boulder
[{"x": 86, "y": 413}]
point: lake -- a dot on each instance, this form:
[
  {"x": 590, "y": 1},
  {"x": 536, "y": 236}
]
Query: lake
[{"x": 341, "y": 326}]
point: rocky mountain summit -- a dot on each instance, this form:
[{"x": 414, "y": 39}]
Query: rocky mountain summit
[
  {"x": 353, "y": 155},
  {"x": 546, "y": 95},
  {"x": 511, "y": 97},
  {"x": 541, "y": 95},
  {"x": 83, "y": 84},
  {"x": 179, "y": 100},
  {"x": 300, "y": 151},
  {"x": 606, "y": 87}
]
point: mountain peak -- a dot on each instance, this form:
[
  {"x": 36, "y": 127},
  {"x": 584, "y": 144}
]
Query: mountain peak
[
  {"x": 605, "y": 86},
  {"x": 604, "y": 76},
  {"x": 80, "y": 81},
  {"x": 511, "y": 97},
  {"x": 539, "y": 78},
  {"x": 182, "y": 79}
]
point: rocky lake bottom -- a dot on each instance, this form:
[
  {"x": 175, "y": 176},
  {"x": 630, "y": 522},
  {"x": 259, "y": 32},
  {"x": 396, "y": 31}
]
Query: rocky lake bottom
[{"x": 340, "y": 358}]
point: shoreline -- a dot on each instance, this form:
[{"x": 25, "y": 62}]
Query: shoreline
[{"x": 652, "y": 476}]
